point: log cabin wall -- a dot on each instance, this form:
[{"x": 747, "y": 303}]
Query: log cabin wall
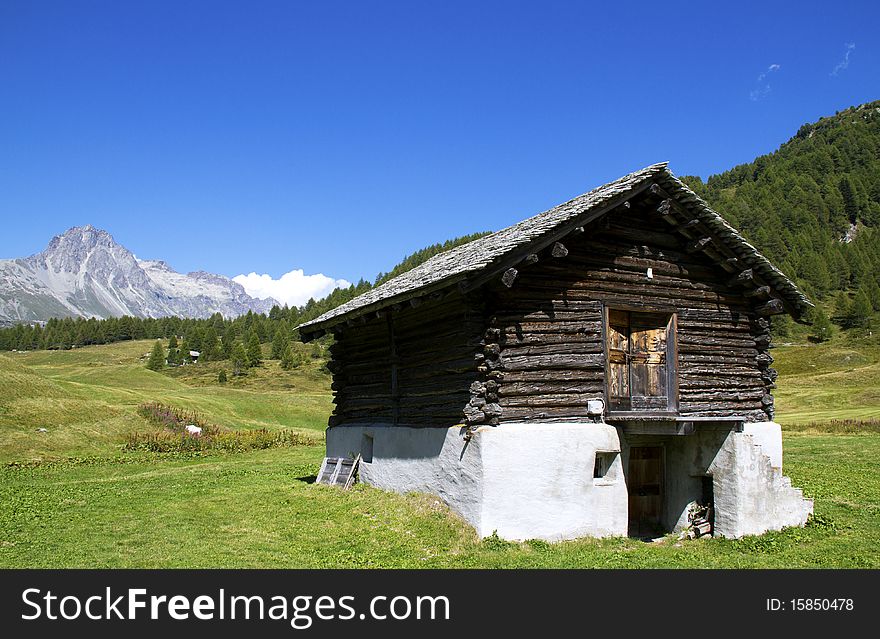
[
  {"x": 408, "y": 365},
  {"x": 550, "y": 322}
]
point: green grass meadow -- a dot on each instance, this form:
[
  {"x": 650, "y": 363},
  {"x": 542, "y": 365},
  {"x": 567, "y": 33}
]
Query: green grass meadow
[{"x": 70, "y": 497}]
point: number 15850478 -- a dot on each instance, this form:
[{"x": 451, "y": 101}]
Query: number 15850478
[{"x": 810, "y": 605}]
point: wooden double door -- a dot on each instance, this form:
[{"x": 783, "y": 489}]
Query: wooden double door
[{"x": 641, "y": 361}]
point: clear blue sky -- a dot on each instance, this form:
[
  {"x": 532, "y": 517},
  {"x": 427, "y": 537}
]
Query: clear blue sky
[{"x": 337, "y": 137}]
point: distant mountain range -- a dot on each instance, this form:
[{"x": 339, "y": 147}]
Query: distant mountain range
[{"x": 84, "y": 272}]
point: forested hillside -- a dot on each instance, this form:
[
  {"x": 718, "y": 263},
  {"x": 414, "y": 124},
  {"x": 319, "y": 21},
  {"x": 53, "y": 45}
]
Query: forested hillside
[{"x": 813, "y": 208}]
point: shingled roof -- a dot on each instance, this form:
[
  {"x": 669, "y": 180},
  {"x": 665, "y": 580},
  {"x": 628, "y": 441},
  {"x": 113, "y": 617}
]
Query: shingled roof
[{"x": 491, "y": 252}]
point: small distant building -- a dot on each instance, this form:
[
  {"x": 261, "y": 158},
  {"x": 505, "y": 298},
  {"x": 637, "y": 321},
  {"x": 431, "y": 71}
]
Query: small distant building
[{"x": 602, "y": 368}]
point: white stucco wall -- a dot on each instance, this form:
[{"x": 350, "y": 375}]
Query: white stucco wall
[
  {"x": 768, "y": 435},
  {"x": 525, "y": 481},
  {"x": 538, "y": 481},
  {"x": 751, "y": 495}
]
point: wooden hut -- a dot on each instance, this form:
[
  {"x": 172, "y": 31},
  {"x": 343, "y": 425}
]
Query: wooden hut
[{"x": 601, "y": 368}]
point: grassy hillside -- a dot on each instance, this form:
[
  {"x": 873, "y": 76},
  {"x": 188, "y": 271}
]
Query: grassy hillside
[
  {"x": 834, "y": 380},
  {"x": 104, "y": 507},
  {"x": 87, "y": 399}
]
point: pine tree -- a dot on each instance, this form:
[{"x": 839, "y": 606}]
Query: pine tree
[
  {"x": 859, "y": 313},
  {"x": 183, "y": 353},
  {"x": 290, "y": 360},
  {"x": 254, "y": 352},
  {"x": 210, "y": 345},
  {"x": 221, "y": 376},
  {"x": 873, "y": 291},
  {"x": 280, "y": 341},
  {"x": 173, "y": 354},
  {"x": 822, "y": 328},
  {"x": 229, "y": 337},
  {"x": 239, "y": 359},
  {"x": 157, "y": 357}
]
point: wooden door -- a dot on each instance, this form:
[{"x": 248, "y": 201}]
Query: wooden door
[
  {"x": 638, "y": 361},
  {"x": 645, "y": 487},
  {"x": 618, "y": 360},
  {"x": 648, "y": 384}
]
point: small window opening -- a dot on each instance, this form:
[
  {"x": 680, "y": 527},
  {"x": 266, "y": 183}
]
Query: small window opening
[
  {"x": 367, "y": 449},
  {"x": 603, "y": 464}
]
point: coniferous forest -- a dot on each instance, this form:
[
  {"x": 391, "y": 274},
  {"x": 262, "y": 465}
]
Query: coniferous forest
[{"x": 812, "y": 207}]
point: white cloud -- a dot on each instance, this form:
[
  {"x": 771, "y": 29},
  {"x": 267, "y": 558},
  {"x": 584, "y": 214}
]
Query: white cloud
[
  {"x": 843, "y": 64},
  {"x": 762, "y": 89},
  {"x": 293, "y": 288}
]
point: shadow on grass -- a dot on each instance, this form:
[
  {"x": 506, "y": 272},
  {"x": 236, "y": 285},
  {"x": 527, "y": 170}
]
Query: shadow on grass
[{"x": 308, "y": 479}]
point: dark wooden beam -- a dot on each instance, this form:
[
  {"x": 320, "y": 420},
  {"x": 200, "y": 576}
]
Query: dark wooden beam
[
  {"x": 760, "y": 293},
  {"x": 773, "y": 307},
  {"x": 743, "y": 278},
  {"x": 688, "y": 224},
  {"x": 698, "y": 245},
  {"x": 509, "y": 277},
  {"x": 559, "y": 250},
  {"x": 665, "y": 207}
]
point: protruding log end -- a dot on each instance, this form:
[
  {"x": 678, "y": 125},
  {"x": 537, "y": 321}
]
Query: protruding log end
[
  {"x": 773, "y": 307},
  {"x": 559, "y": 250},
  {"x": 509, "y": 277}
]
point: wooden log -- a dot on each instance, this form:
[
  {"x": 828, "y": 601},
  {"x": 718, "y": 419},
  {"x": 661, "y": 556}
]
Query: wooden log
[
  {"x": 525, "y": 413},
  {"x": 547, "y": 338},
  {"x": 773, "y": 307},
  {"x": 743, "y": 278},
  {"x": 725, "y": 339},
  {"x": 561, "y": 376},
  {"x": 700, "y": 395},
  {"x": 665, "y": 208},
  {"x": 687, "y": 224},
  {"x": 537, "y": 327},
  {"x": 509, "y": 277},
  {"x": 574, "y": 400},
  {"x": 531, "y": 258},
  {"x": 549, "y": 387},
  {"x": 559, "y": 250},
  {"x": 559, "y": 348},
  {"x": 764, "y": 360},
  {"x": 760, "y": 293},
  {"x": 698, "y": 245},
  {"x": 539, "y": 362}
]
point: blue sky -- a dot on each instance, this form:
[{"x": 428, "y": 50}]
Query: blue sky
[{"x": 337, "y": 137}]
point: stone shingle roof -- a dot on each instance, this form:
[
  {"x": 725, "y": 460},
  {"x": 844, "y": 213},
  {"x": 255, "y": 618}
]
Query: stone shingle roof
[{"x": 489, "y": 252}]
